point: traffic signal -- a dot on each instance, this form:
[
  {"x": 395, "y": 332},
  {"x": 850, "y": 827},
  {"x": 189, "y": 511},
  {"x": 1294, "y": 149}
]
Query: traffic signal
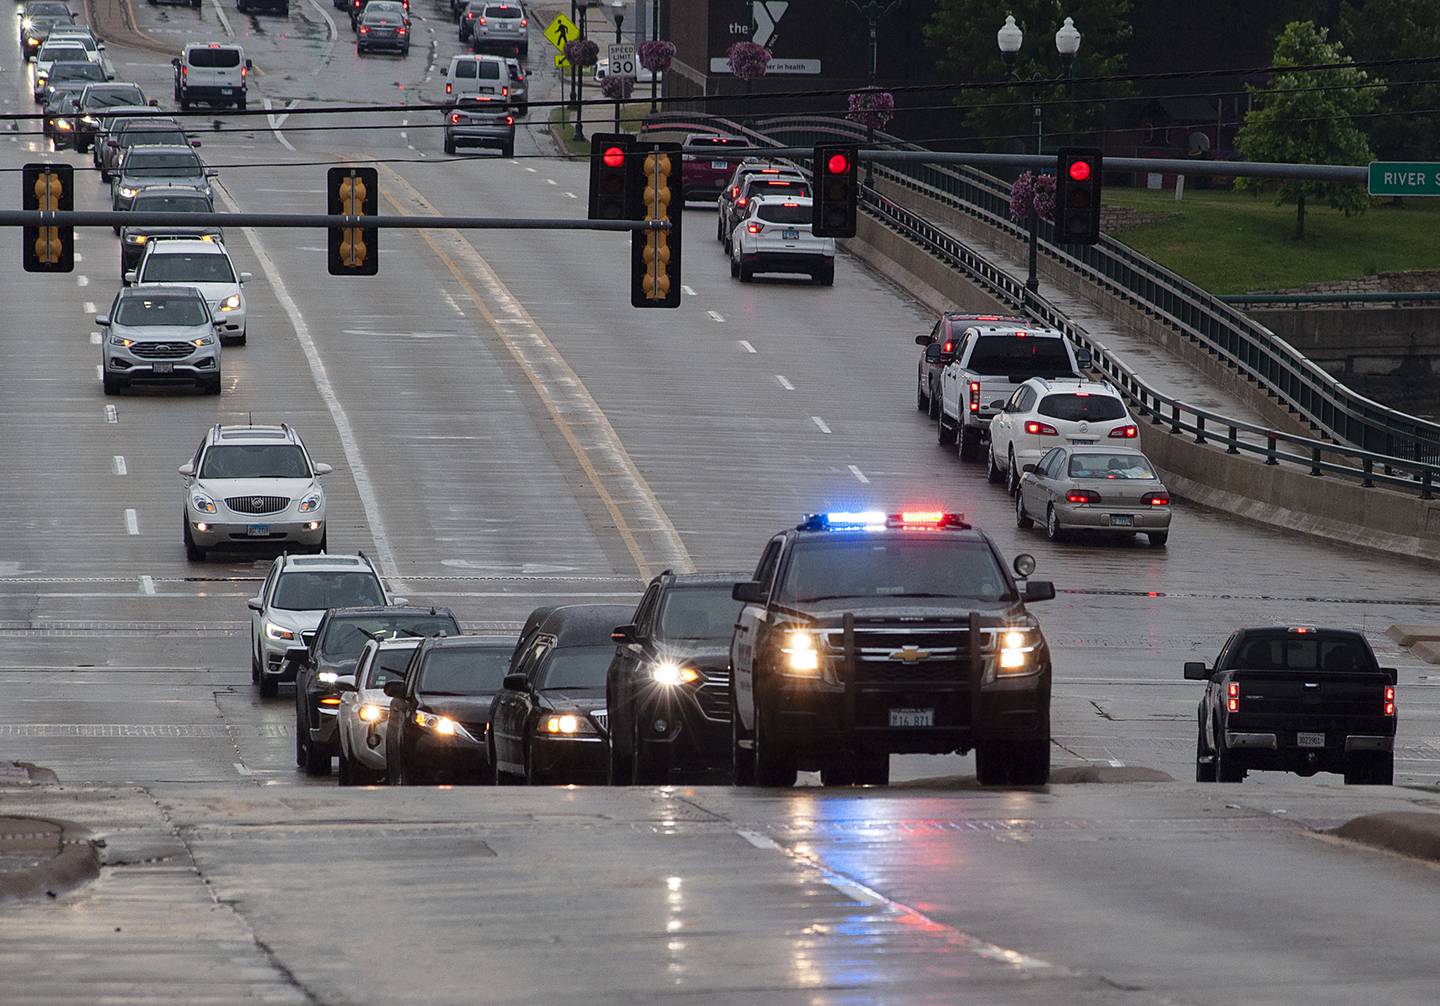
[
  {"x": 611, "y": 171},
  {"x": 1077, "y": 196},
  {"x": 655, "y": 255},
  {"x": 48, "y": 188},
  {"x": 835, "y": 207},
  {"x": 354, "y": 192}
]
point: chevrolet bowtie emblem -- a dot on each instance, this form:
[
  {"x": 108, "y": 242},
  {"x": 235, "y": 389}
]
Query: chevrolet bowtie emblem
[{"x": 910, "y": 654}]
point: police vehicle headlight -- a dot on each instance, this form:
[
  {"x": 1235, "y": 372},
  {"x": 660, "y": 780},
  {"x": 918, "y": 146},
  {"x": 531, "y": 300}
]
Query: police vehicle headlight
[
  {"x": 673, "y": 674},
  {"x": 442, "y": 725},
  {"x": 1015, "y": 649},
  {"x": 801, "y": 655},
  {"x": 371, "y": 713},
  {"x": 128, "y": 192}
]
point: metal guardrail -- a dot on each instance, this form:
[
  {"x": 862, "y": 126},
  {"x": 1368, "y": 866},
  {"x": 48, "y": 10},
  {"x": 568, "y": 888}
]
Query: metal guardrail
[
  {"x": 1358, "y": 297},
  {"x": 1243, "y": 343},
  {"x": 1370, "y": 467}
]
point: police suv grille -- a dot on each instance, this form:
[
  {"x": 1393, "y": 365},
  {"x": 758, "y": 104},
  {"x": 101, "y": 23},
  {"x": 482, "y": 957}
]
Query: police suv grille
[
  {"x": 714, "y": 696},
  {"x": 257, "y": 504},
  {"x": 162, "y": 350}
]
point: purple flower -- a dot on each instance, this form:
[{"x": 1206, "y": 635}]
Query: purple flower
[
  {"x": 656, "y": 56},
  {"x": 582, "y": 52},
  {"x": 1031, "y": 190},
  {"x": 617, "y": 88},
  {"x": 748, "y": 60},
  {"x": 871, "y": 107}
]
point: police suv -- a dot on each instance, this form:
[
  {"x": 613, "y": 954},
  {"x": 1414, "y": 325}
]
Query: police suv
[{"x": 869, "y": 634}]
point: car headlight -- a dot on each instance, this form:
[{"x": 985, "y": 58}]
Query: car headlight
[
  {"x": 673, "y": 674},
  {"x": 567, "y": 725},
  {"x": 204, "y": 504},
  {"x": 135, "y": 239},
  {"x": 27, "y": 23},
  {"x": 89, "y": 120},
  {"x": 231, "y": 303},
  {"x": 129, "y": 192},
  {"x": 801, "y": 656},
  {"x": 371, "y": 713},
  {"x": 204, "y": 340},
  {"x": 64, "y": 124},
  {"x": 274, "y": 631},
  {"x": 310, "y": 503},
  {"x": 124, "y": 343},
  {"x": 40, "y": 82},
  {"x": 442, "y": 725},
  {"x": 1015, "y": 650}
]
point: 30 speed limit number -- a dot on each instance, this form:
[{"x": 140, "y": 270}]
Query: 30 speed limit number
[{"x": 622, "y": 61}]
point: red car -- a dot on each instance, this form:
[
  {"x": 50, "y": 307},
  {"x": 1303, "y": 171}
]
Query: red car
[{"x": 705, "y": 173}]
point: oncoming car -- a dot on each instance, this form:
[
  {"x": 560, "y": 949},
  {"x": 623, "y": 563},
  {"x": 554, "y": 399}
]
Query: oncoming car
[
  {"x": 365, "y": 709},
  {"x": 206, "y": 266},
  {"x": 159, "y": 335}
]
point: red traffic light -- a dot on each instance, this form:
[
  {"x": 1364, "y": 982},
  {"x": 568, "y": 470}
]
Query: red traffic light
[
  {"x": 1080, "y": 170},
  {"x": 613, "y": 157},
  {"x": 838, "y": 164}
]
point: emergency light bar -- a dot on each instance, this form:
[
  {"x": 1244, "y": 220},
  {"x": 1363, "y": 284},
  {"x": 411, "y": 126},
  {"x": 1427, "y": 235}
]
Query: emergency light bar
[{"x": 878, "y": 520}]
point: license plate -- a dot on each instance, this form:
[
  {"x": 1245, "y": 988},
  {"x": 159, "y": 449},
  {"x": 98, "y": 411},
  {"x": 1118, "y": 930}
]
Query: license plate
[
  {"x": 790, "y": 234},
  {"x": 1082, "y": 440},
  {"x": 487, "y": 90},
  {"x": 1122, "y": 520},
  {"x": 1310, "y": 740},
  {"x": 912, "y": 717},
  {"x": 227, "y": 90},
  {"x": 719, "y": 165},
  {"x": 164, "y": 368},
  {"x": 258, "y": 530}
]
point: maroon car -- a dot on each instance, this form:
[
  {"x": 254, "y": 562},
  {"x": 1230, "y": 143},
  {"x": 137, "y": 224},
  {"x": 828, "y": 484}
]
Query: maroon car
[{"x": 705, "y": 172}]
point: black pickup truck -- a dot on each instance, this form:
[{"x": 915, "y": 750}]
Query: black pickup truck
[{"x": 1299, "y": 699}]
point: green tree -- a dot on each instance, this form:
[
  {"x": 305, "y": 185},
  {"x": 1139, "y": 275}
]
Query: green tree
[
  {"x": 1399, "y": 29},
  {"x": 961, "y": 33},
  {"x": 1309, "y": 126}
]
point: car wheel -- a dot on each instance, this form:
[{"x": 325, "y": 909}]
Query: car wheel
[
  {"x": 992, "y": 767},
  {"x": 650, "y": 769},
  {"x": 747, "y": 274},
  {"x": 734, "y": 268},
  {"x": 944, "y": 432},
  {"x": 497, "y": 778},
  {"x": 111, "y": 385},
  {"x": 184, "y": 104},
  {"x": 1204, "y": 770},
  {"x": 840, "y": 772},
  {"x": 993, "y": 474},
  {"x": 1052, "y": 524},
  {"x": 1370, "y": 770},
  {"x": 1012, "y": 477},
  {"x": 1158, "y": 538},
  {"x": 969, "y": 445},
  {"x": 254, "y": 668},
  {"x": 317, "y": 759},
  {"x": 826, "y": 277},
  {"x": 774, "y": 763},
  {"x": 269, "y": 686},
  {"x": 1030, "y": 761},
  {"x": 508, "y": 150},
  {"x": 324, "y": 545},
  {"x": 1022, "y": 519},
  {"x": 1226, "y": 770},
  {"x": 934, "y": 402},
  {"x": 212, "y": 387},
  {"x": 532, "y": 774},
  {"x": 193, "y": 552},
  {"x": 742, "y": 759},
  {"x": 343, "y": 776},
  {"x": 240, "y": 105},
  {"x": 104, "y": 176},
  {"x": 872, "y": 768},
  {"x": 449, "y": 146}
]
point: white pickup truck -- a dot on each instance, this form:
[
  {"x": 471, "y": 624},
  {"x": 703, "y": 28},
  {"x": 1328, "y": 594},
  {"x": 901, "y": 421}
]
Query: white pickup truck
[{"x": 990, "y": 362}]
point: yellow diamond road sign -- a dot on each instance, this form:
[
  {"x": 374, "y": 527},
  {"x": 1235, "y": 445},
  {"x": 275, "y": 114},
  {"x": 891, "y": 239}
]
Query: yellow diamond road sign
[
  {"x": 560, "y": 31},
  {"x": 561, "y": 61}
]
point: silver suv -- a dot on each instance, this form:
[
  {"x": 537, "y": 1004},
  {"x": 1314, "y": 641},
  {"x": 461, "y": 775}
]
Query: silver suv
[
  {"x": 252, "y": 485},
  {"x": 159, "y": 335},
  {"x": 501, "y": 28},
  {"x": 296, "y": 595}
]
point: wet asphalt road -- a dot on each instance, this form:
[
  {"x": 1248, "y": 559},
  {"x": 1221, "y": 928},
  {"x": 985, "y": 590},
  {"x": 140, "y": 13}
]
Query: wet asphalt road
[{"x": 506, "y": 432}]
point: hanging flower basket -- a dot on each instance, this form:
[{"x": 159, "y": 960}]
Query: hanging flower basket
[
  {"x": 871, "y": 108},
  {"x": 748, "y": 61},
  {"x": 582, "y": 52},
  {"x": 617, "y": 88},
  {"x": 656, "y": 56},
  {"x": 1032, "y": 190}
]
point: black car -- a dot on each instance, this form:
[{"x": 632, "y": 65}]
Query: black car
[
  {"x": 382, "y": 27},
  {"x": 164, "y": 199},
  {"x": 939, "y": 349},
  {"x": 668, "y": 687},
  {"x": 90, "y": 107},
  {"x": 548, "y": 723},
  {"x": 866, "y": 634},
  {"x": 327, "y": 666},
  {"x": 440, "y": 714},
  {"x": 60, "y": 117}
]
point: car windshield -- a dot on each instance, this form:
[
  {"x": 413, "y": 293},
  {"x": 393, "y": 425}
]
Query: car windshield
[
  {"x": 63, "y": 52},
  {"x": 576, "y": 667},
  {"x": 151, "y": 137},
  {"x": 465, "y": 670},
  {"x": 162, "y": 310},
  {"x": 186, "y": 268},
  {"x": 316, "y": 591},
  {"x": 346, "y": 636},
  {"x": 256, "y": 461},
  {"x": 162, "y": 164},
  {"x": 172, "y": 203},
  {"x": 1011, "y": 354},
  {"x": 76, "y": 71},
  {"x": 860, "y": 564},
  {"x": 698, "y": 613},
  {"x": 1294, "y": 652},
  {"x": 48, "y": 10},
  {"x": 60, "y": 97},
  {"x": 502, "y": 11},
  {"x": 784, "y": 213},
  {"x": 113, "y": 99},
  {"x": 1110, "y": 466},
  {"x": 1081, "y": 406},
  {"x": 389, "y": 665}
]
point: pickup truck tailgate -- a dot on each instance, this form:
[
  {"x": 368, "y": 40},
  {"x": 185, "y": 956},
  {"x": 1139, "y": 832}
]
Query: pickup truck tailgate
[{"x": 1319, "y": 701}]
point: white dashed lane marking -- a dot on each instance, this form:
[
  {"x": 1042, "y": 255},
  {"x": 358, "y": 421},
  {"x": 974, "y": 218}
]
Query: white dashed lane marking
[
  {"x": 147, "y": 585},
  {"x": 716, "y": 316},
  {"x": 88, "y": 307},
  {"x": 132, "y": 521},
  {"x": 854, "y": 470},
  {"x": 820, "y": 423},
  {"x": 689, "y": 291},
  {"x": 111, "y": 416},
  {"x": 118, "y": 463},
  {"x": 745, "y": 345},
  {"x": 784, "y": 382}
]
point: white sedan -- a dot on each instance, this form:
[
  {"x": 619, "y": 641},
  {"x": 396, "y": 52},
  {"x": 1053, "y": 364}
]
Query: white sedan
[{"x": 364, "y": 709}]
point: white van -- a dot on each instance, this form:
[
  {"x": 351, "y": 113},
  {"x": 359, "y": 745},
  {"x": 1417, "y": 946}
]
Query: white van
[
  {"x": 467, "y": 76},
  {"x": 212, "y": 72}
]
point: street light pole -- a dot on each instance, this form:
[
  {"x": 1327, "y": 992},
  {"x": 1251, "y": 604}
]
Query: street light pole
[
  {"x": 584, "y": 6},
  {"x": 655, "y": 37},
  {"x": 872, "y": 11}
]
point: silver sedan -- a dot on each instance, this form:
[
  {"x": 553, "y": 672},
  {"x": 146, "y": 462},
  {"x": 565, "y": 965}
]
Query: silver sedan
[
  {"x": 364, "y": 708},
  {"x": 1111, "y": 491},
  {"x": 159, "y": 335}
]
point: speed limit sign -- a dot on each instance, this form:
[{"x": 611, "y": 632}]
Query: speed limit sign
[{"x": 622, "y": 61}]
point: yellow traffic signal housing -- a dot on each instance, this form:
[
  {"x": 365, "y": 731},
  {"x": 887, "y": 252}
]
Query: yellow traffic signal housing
[
  {"x": 48, "y": 188},
  {"x": 655, "y": 254},
  {"x": 354, "y": 192}
]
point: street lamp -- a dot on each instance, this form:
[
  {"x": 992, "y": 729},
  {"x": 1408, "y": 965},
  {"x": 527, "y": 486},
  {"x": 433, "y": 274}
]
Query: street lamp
[
  {"x": 873, "y": 11},
  {"x": 617, "y": 10},
  {"x": 1009, "y": 39},
  {"x": 581, "y": 7}
]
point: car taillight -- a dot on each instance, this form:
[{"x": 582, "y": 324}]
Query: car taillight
[
  {"x": 949, "y": 347},
  {"x": 1389, "y": 700},
  {"x": 974, "y": 396},
  {"x": 400, "y": 31},
  {"x": 1082, "y": 496},
  {"x": 469, "y": 15},
  {"x": 449, "y": 88},
  {"x": 504, "y": 92},
  {"x": 184, "y": 72},
  {"x": 754, "y": 228},
  {"x": 1232, "y": 701},
  {"x": 524, "y": 22},
  {"x": 743, "y": 201},
  {"x": 364, "y": 30},
  {"x": 1041, "y": 429},
  {"x": 454, "y": 118},
  {"x": 1157, "y": 499},
  {"x": 244, "y": 72},
  {"x": 482, "y": 20},
  {"x": 509, "y": 120},
  {"x": 1124, "y": 433}
]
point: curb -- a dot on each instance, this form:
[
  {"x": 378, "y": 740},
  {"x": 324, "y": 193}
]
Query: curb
[
  {"x": 1409, "y": 833},
  {"x": 73, "y": 856}
]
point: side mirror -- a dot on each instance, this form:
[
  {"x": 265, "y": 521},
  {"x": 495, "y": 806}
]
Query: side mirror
[
  {"x": 1027, "y": 468},
  {"x": 187, "y": 469},
  {"x": 103, "y": 320},
  {"x": 516, "y": 683},
  {"x": 109, "y": 76},
  {"x": 153, "y": 103},
  {"x": 246, "y": 277},
  {"x": 749, "y": 592},
  {"x": 254, "y": 604},
  {"x": 195, "y": 144},
  {"x": 1195, "y": 670},
  {"x": 130, "y": 277},
  {"x": 395, "y": 689},
  {"x": 399, "y": 602},
  {"x": 323, "y": 469},
  {"x": 345, "y": 683},
  {"x": 1083, "y": 359},
  {"x": 922, "y": 340},
  {"x": 623, "y": 634},
  {"x": 1039, "y": 590},
  {"x": 999, "y": 403}
]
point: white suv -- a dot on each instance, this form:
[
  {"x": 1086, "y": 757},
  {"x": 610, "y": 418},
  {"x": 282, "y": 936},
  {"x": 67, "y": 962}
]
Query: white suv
[
  {"x": 774, "y": 235},
  {"x": 1047, "y": 412},
  {"x": 205, "y": 265}
]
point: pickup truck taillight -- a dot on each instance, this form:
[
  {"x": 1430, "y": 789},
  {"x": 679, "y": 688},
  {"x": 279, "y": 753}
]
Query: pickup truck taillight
[
  {"x": 454, "y": 118},
  {"x": 524, "y": 22},
  {"x": 1232, "y": 696},
  {"x": 1124, "y": 433},
  {"x": 1041, "y": 429},
  {"x": 974, "y": 396},
  {"x": 1389, "y": 700},
  {"x": 509, "y": 120},
  {"x": 449, "y": 88},
  {"x": 1082, "y": 496}
]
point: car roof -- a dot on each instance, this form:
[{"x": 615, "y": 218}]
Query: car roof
[
  {"x": 190, "y": 46},
  {"x": 422, "y": 611},
  {"x": 326, "y": 563},
  {"x": 179, "y": 246},
  {"x": 584, "y": 624},
  {"x": 1074, "y": 384},
  {"x": 488, "y": 641},
  {"x": 1038, "y": 332},
  {"x": 258, "y": 433},
  {"x": 780, "y": 198},
  {"x": 150, "y": 289},
  {"x": 165, "y": 148}
]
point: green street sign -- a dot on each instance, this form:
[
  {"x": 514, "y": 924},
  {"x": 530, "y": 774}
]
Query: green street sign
[{"x": 1404, "y": 178}]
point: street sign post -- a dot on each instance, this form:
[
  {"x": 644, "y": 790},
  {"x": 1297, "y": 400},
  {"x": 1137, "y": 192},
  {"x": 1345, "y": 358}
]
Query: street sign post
[
  {"x": 1405, "y": 178},
  {"x": 622, "y": 61}
]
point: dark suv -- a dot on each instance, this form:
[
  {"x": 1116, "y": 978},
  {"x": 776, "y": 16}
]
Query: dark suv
[
  {"x": 869, "y": 634},
  {"x": 668, "y": 688},
  {"x": 939, "y": 349}
]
